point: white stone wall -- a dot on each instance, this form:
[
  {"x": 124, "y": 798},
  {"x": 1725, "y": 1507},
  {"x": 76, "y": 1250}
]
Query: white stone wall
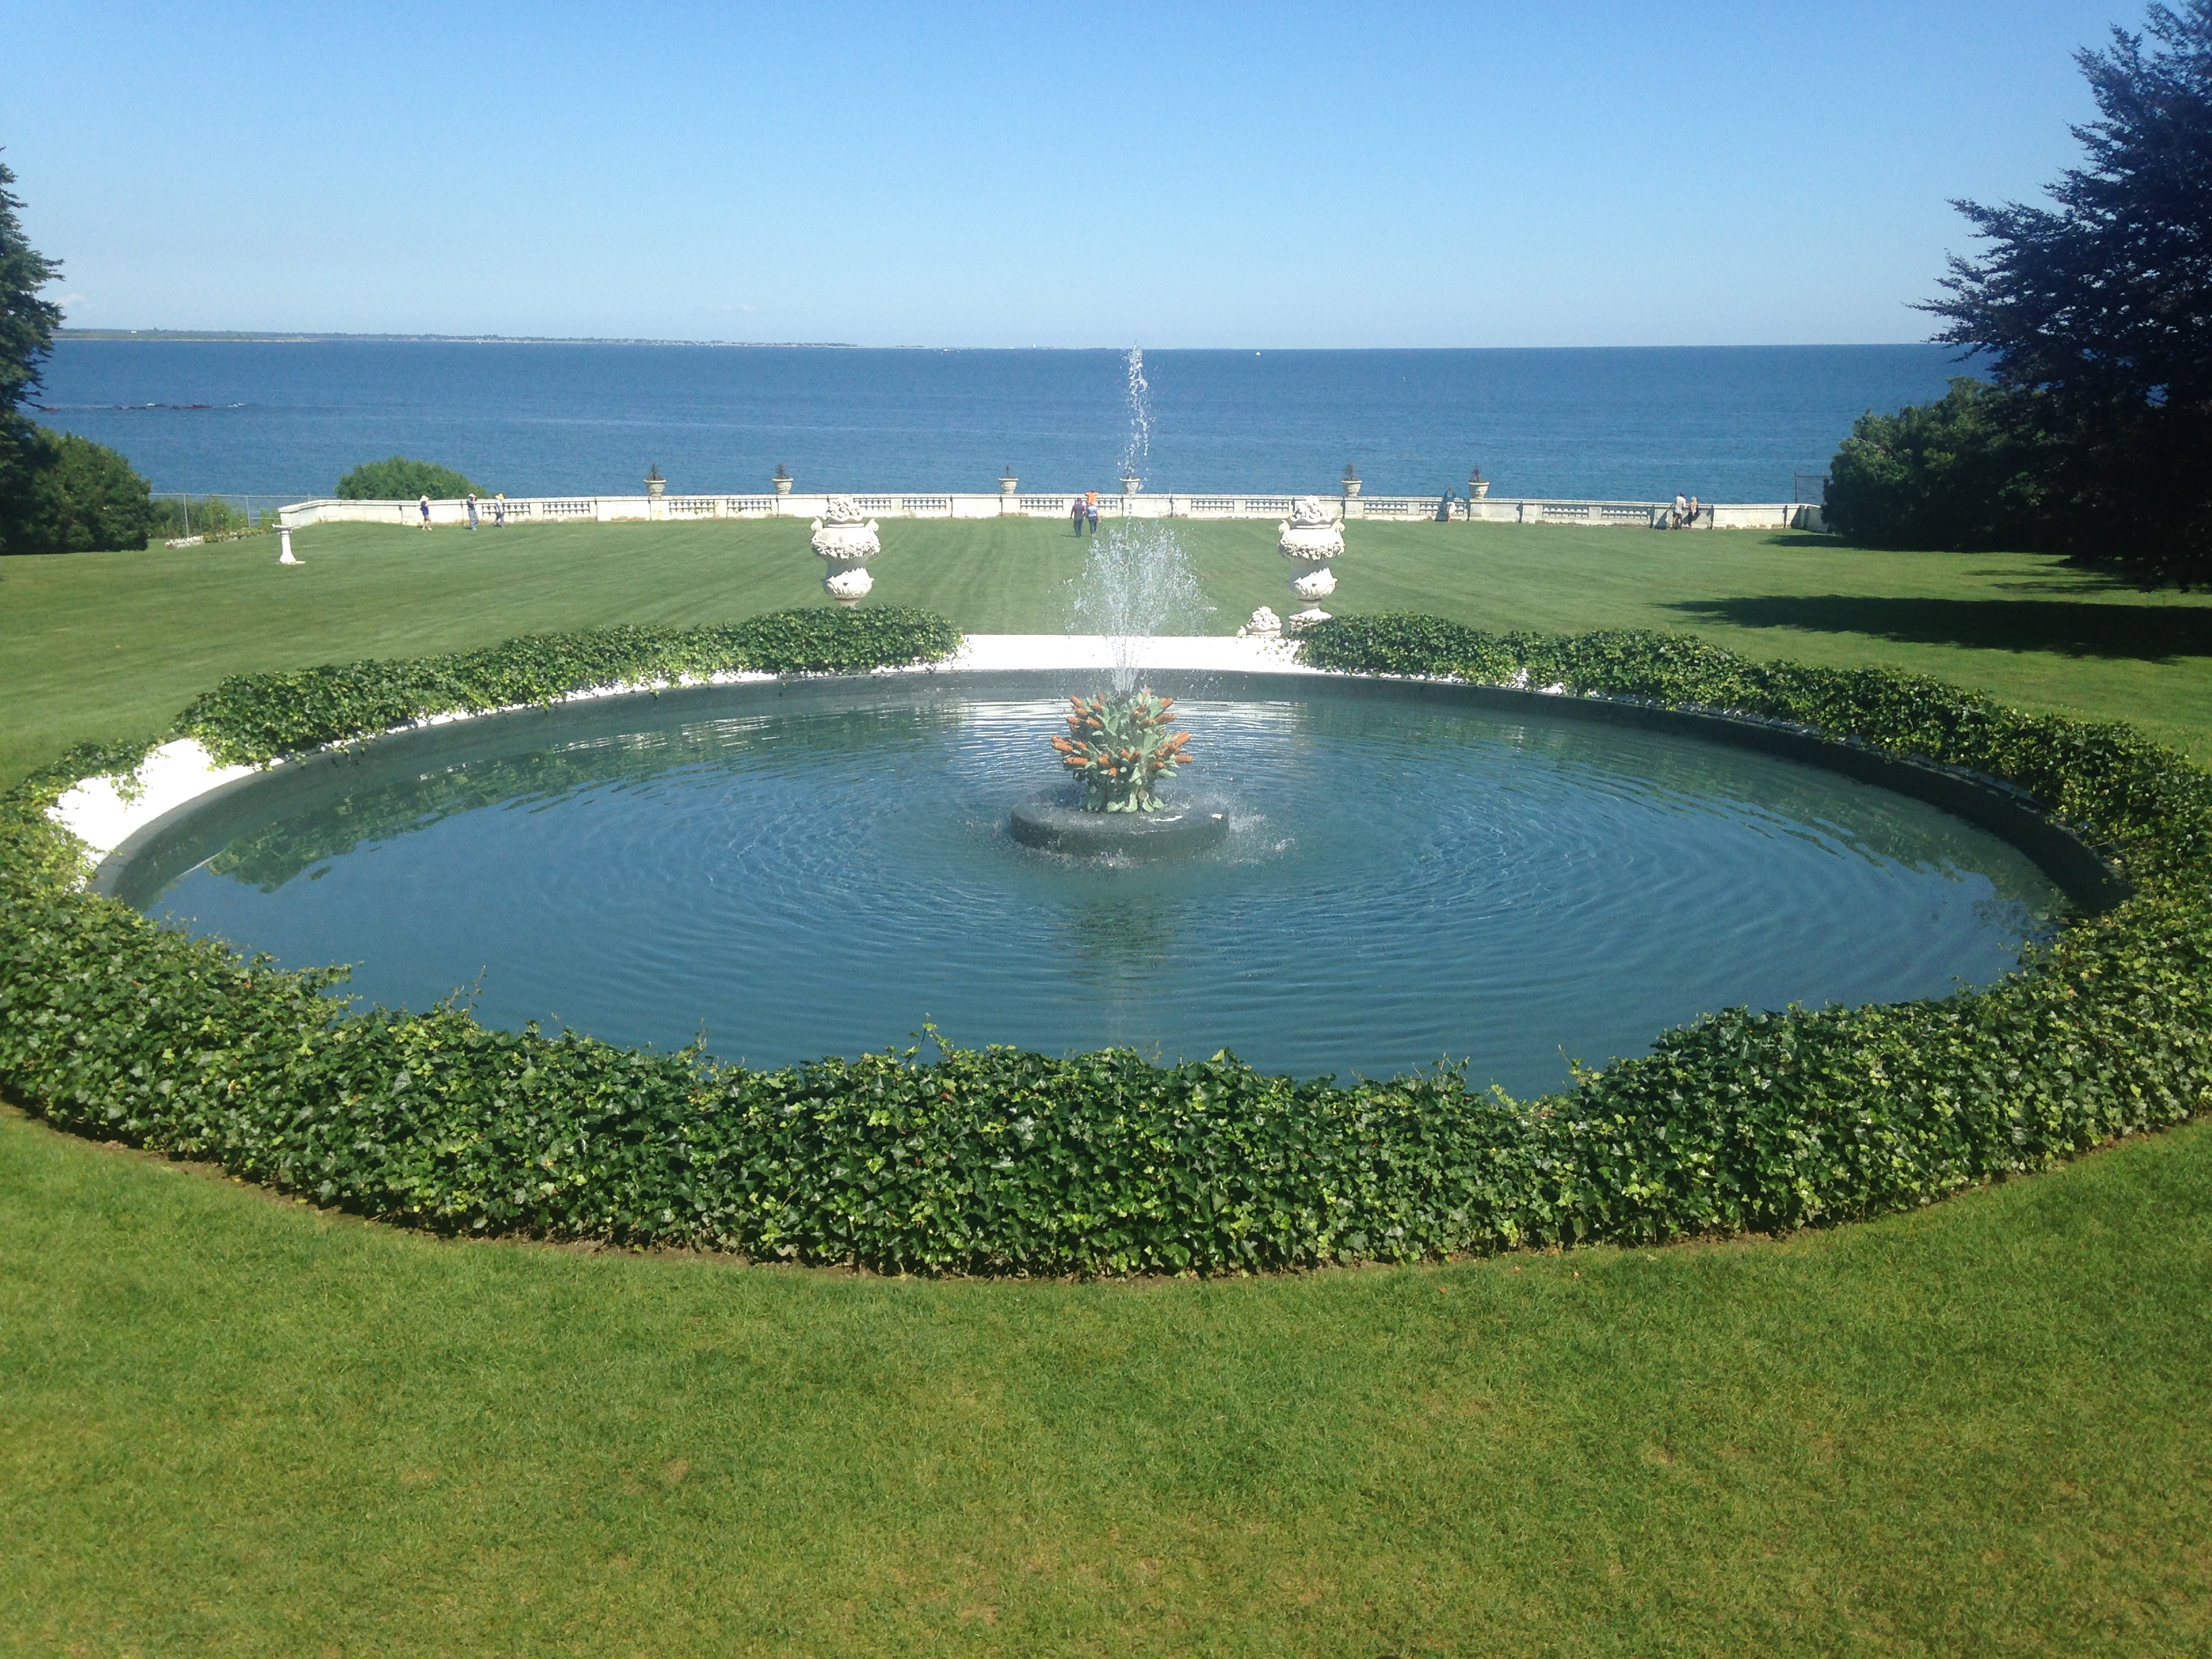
[{"x": 1385, "y": 510}]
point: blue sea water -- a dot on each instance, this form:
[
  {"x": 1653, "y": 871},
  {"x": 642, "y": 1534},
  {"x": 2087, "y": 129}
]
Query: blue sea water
[{"x": 1726, "y": 423}]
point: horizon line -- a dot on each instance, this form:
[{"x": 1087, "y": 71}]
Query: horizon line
[{"x": 304, "y": 337}]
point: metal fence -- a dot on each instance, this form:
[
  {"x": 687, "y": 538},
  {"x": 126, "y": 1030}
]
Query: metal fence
[{"x": 180, "y": 514}]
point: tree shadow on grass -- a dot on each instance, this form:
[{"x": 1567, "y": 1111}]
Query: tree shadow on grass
[{"x": 2147, "y": 633}]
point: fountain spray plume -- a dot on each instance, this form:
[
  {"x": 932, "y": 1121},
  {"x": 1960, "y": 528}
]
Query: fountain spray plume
[
  {"x": 1137, "y": 583},
  {"x": 1137, "y": 448}
]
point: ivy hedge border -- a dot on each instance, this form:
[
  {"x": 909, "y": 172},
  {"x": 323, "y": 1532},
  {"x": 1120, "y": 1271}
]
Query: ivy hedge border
[{"x": 994, "y": 1160}]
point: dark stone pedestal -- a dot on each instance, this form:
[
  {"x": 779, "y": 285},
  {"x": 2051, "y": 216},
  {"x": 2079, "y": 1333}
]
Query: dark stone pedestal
[{"x": 1179, "y": 827}]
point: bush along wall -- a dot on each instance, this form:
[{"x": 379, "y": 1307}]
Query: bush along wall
[
  {"x": 253, "y": 719},
  {"x": 994, "y": 1160}
]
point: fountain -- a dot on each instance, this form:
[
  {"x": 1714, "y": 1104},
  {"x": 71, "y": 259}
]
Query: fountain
[
  {"x": 847, "y": 544},
  {"x": 1311, "y": 538},
  {"x": 1120, "y": 749},
  {"x": 806, "y": 866},
  {"x": 1137, "y": 448},
  {"x": 1137, "y": 580}
]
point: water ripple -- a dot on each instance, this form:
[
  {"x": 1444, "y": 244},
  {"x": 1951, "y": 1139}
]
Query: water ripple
[{"x": 1402, "y": 883}]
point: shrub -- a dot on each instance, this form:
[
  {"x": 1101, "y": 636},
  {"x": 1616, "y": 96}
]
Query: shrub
[
  {"x": 208, "y": 516},
  {"x": 2103, "y": 481},
  {"x": 256, "y": 718},
  {"x": 1967, "y": 474},
  {"x": 399, "y": 479},
  {"x": 69, "y": 494},
  {"x": 995, "y": 1160}
]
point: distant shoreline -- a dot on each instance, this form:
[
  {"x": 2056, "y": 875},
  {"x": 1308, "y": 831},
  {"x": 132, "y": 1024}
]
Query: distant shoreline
[
  {"x": 252, "y": 337},
  {"x": 248, "y": 337}
]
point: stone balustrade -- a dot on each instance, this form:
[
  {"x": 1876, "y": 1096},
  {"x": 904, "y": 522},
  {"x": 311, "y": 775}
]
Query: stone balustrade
[{"x": 1385, "y": 509}]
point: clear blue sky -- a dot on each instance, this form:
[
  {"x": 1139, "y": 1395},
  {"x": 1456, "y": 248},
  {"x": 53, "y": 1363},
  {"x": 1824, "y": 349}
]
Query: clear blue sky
[{"x": 1573, "y": 172}]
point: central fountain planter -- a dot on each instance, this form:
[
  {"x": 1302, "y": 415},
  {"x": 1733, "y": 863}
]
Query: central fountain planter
[
  {"x": 1119, "y": 745},
  {"x": 1174, "y": 830}
]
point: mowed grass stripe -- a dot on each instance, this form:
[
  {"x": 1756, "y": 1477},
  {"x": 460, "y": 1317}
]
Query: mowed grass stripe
[{"x": 112, "y": 646}]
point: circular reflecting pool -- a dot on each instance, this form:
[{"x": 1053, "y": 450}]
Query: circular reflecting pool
[{"x": 819, "y": 869}]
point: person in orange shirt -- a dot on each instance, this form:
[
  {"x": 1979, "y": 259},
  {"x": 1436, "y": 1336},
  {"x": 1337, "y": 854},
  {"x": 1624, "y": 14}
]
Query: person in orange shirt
[{"x": 1090, "y": 510}]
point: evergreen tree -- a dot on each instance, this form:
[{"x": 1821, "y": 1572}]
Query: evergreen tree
[
  {"x": 58, "y": 493},
  {"x": 27, "y": 322},
  {"x": 2110, "y": 296},
  {"x": 27, "y": 332},
  {"x": 2097, "y": 312}
]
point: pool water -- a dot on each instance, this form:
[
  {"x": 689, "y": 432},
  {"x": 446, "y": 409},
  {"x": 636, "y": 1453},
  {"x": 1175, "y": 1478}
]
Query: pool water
[{"x": 797, "y": 872}]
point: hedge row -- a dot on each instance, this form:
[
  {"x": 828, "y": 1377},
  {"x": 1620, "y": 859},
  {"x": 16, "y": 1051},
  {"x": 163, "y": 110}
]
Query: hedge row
[
  {"x": 2140, "y": 802},
  {"x": 996, "y": 1160},
  {"x": 257, "y": 718}
]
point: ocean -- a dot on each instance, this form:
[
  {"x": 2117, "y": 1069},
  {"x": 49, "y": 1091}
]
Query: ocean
[{"x": 1724, "y": 423}]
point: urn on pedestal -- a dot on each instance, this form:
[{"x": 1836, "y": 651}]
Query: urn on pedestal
[
  {"x": 842, "y": 537},
  {"x": 1310, "y": 538}
]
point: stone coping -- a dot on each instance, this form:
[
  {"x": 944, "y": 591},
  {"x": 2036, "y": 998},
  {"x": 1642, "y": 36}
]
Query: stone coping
[{"x": 107, "y": 812}]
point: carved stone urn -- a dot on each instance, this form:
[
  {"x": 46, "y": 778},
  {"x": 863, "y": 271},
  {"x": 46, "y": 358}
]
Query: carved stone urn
[
  {"x": 1310, "y": 538},
  {"x": 1265, "y": 625},
  {"x": 847, "y": 544}
]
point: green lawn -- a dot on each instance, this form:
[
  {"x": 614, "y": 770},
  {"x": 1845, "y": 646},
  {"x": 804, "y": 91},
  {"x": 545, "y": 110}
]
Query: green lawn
[
  {"x": 112, "y": 645},
  {"x": 235, "y": 1424},
  {"x": 240, "y": 1424}
]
